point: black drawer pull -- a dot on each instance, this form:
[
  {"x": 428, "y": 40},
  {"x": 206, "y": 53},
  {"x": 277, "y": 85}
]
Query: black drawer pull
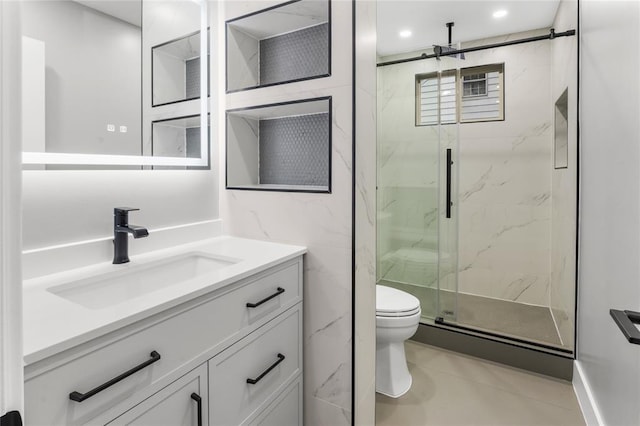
[
  {"x": 198, "y": 401},
  {"x": 265, "y": 372},
  {"x": 626, "y": 321},
  {"x": 279, "y": 291},
  {"x": 79, "y": 397}
]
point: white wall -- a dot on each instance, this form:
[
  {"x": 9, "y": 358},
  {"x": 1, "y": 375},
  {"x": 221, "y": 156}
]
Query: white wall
[
  {"x": 609, "y": 276},
  {"x": 11, "y": 376}
]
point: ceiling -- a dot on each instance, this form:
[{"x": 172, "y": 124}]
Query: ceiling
[{"x": 473, "y": 20}]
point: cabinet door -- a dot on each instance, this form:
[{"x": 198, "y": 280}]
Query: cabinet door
[
  {"x": 175, "y": 405},
  {"x": 285, "y": 410}
]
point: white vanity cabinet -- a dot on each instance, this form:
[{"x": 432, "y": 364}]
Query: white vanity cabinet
[{"x": 208, "y": 346}]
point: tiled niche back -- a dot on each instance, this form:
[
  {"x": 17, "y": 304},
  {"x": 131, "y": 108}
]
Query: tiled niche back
[
  {"x": 294, "y": 150},
  {"x": 192, "y": 80},
  {"x": 295, "y": 55},
  {"x": 193, "y": 142}
]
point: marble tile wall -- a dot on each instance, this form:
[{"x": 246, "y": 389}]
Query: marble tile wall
[
  {"x": 564, "y": 181},
  {"x": 243, "y": 56},
  {"x": 321, "y": 222},
  {"x": 365, "y": 214},
  {"x": 503, "y": 181}
]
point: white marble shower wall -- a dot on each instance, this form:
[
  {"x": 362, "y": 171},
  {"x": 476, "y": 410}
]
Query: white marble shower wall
[
  {"x": 564, "y": 181},
  {"x": 504, "y": 179}
]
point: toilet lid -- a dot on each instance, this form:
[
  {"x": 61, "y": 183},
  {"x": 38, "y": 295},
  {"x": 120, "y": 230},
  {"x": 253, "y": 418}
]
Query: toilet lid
[{"x": 391, "y": 300}]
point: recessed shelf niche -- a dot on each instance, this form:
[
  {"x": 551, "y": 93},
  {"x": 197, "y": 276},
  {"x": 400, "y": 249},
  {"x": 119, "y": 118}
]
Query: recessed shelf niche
[
  {"x": 280, "y": 147},
  {"x": 175, "y": 70},
  {"x": 286, "y": 43},
  {"x": 179, "y": 137}
]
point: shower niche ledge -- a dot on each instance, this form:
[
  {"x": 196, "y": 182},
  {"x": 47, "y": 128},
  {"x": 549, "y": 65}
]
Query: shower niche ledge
[
  {"x": 282, "y": 44},
  {"x": 280, "y": 147}
]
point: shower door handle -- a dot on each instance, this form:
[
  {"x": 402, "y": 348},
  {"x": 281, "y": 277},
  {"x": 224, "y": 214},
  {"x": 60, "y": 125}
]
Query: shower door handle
[
  {"x": 626, "y": 321},
  {"x": 448, "y": 196}
]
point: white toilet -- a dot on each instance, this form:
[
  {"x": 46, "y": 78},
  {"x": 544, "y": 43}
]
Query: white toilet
[{"x": 397, "y": 318}]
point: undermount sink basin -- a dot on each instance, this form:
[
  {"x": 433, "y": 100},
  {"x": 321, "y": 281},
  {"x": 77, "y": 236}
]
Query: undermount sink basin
[{"x": 133, "y": 281}]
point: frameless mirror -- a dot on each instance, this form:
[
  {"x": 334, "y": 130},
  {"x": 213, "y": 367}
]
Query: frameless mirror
[{"x": 99, "y": 75}]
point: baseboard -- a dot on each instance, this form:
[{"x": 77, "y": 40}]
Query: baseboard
[{"x": 584, "y": 394}]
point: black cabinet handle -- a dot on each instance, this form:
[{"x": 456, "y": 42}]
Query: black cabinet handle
[
  {"x": 198, "y": 401},
  {"x": 279, "y": 291},
  {"x": 79, "y": 397},
  {"x": 448, "y": 196},
  {"x": 626, "y": 321},
  {"x": 265, "y": 372}
]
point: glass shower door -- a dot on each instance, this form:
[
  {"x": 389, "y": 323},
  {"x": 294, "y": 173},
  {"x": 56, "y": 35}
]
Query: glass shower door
[
  {"x": 409, "y": 184},
  {"x": 448, "y": 141}
]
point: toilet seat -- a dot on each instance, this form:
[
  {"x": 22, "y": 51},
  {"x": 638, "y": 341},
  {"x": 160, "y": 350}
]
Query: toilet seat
[
  {"x": 391, "y": 302},
  {"x": 398, "y": 314}
]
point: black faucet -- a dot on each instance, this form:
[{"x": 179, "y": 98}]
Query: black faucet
[{"x": 121, "y": 228}]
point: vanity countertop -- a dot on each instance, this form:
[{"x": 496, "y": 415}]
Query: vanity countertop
[{"x": 53, "y": 324}]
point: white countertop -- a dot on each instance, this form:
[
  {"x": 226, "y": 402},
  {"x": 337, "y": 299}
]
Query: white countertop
[{"x": 53, "y": 324}]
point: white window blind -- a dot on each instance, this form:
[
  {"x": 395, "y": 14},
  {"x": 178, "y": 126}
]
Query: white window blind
[{"x": 481, "y": 95}]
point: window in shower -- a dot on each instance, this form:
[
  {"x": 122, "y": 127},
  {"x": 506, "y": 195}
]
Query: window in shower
[
  {"x": 436, "y": 98},
  {"x": 482, "y": 93},
  {"x": 474, "y": 85},
  {"x": 481, "y": 97}
]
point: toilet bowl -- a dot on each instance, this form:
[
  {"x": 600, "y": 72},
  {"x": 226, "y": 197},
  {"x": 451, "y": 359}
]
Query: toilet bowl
[{"x": 397, "y": 318}]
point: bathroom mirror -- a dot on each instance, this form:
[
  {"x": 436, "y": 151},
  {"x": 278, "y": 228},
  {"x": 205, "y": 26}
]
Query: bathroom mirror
[{"x": 91, "y": 84}]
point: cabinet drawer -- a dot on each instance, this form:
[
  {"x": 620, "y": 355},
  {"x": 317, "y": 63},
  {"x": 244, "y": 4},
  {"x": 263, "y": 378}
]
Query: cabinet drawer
[
  {"x": 202, "y": 330},
  {"x": 271, "y": 357},
  {"x": 175, "y": 405}
]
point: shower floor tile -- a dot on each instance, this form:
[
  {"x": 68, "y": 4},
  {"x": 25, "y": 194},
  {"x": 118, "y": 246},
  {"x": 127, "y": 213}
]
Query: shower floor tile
[
  {"x": 519, "y": 320},
  {"x": 503, "y": 317},
  {"x": 454, "y": 389}
]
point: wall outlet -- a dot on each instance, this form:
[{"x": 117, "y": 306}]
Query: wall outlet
[
  {"x": 111, "y": 127},
  {"x": 123, "y": 129}
]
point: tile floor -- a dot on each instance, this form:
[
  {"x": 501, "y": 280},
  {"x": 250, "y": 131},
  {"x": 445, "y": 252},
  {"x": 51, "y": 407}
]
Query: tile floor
[{"x": 454, "y": 389}]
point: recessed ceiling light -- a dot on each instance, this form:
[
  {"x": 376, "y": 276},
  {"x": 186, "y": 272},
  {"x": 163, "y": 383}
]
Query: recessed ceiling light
[
  {"x": 405, "y": 33},
  {"x": 500, "y": 13}
]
